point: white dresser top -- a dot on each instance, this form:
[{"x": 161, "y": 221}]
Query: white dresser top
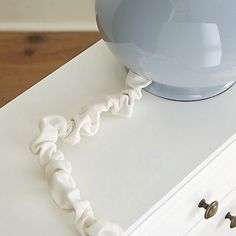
[{"x": 125, "y": 169}]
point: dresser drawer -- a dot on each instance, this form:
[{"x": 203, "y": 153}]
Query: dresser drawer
[
  {"x": 178, "y": 213},
  {"x": 219, "y": 225}
]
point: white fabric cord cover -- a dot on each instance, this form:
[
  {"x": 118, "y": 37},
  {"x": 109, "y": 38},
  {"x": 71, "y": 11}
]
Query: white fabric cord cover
[{"x": 62, "y": 185}]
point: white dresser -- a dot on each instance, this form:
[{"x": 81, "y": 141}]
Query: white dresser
[{"x": 147, "y": 173}]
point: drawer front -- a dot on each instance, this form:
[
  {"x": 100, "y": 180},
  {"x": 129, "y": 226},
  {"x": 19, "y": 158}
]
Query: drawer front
[
  {"x": 219, "y": 226},
  {"x": 179, "y": 212}
]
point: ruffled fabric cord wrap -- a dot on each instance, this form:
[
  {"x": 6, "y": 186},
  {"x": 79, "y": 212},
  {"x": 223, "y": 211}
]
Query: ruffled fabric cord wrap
[{"x": 62, "y": 185}]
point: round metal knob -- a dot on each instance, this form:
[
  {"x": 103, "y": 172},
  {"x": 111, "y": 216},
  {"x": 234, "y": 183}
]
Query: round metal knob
[
  {"x": 232, "y": 220},
  {"x": 211, "y": 209}
]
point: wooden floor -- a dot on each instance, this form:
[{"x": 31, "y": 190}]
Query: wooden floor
[{"x": 26, "y": 58}]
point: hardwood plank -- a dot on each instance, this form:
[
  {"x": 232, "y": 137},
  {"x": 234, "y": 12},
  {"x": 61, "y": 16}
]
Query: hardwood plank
[{"x": 26, "y": 58}]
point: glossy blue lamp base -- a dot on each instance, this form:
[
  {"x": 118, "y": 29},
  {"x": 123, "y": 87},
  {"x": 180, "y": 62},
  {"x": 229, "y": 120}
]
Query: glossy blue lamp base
[
  {"x": 187, "y": 48},
  {"x": 185, "y": 94}
]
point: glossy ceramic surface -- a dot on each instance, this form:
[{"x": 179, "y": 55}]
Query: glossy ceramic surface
[{"x": 187, "y": 47}]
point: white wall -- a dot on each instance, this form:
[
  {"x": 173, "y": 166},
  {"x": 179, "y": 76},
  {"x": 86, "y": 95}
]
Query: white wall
[{"x": 49, "y": 15}]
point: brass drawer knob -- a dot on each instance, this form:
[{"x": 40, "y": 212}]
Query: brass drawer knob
[
  {"x": 232, "y": 220},
  {"x": 211, "y": 209}
]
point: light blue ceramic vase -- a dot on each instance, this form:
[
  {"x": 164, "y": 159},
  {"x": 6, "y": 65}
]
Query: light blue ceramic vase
[{"x": 187, "y": 47}]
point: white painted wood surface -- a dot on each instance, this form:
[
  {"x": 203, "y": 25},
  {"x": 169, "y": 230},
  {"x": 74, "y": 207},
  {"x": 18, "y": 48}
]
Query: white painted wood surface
[
  {"x": 129, "y": 167},
  {"x": 213, "y": 180}
]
